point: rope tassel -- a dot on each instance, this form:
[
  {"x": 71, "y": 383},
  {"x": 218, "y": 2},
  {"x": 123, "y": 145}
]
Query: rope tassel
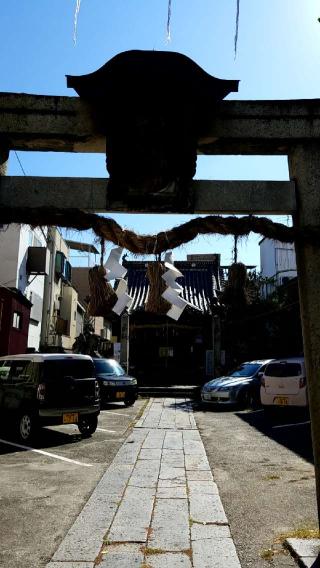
[{"x": 102, "y": 296}]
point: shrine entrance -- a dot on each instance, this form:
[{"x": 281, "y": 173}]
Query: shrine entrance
[{"x": 291, "y": 128}]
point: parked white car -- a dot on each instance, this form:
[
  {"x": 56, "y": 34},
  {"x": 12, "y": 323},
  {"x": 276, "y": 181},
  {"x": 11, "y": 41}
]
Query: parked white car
[{"x": 284, "y": 384}]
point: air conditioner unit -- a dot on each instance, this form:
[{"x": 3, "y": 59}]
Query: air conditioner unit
[{"x": 38, "y": 260}]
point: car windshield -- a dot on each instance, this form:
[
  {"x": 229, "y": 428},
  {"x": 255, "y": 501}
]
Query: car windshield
[
  {"x": 245, "y": 370},
  {"x": 108, "y": 367},
  {"x": 283, "y": 370}
]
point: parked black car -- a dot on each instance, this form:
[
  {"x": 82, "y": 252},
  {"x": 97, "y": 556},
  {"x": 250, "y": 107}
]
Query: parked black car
[
  {"x": 48, "y": 389},
  {"x": 115, "y": 384}
]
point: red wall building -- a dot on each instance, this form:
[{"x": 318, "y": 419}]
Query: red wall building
[{"x": 14, "y": 321}]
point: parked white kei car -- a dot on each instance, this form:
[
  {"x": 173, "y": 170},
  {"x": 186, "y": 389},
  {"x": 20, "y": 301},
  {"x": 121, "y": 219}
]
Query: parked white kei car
[{"x": 284, "y": 384}]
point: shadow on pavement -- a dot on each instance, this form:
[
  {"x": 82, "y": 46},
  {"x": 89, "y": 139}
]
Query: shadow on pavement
[
  {"x": 45, "y": 440},
  {"x": 289, "y": 430}
]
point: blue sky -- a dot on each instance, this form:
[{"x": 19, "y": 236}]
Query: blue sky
[{"x": 277, "y": 58}]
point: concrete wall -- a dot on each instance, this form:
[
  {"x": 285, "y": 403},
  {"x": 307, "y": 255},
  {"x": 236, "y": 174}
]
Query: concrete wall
[
  {"x": 9, "y": 252},
  {"x": 277, "y": 262}
]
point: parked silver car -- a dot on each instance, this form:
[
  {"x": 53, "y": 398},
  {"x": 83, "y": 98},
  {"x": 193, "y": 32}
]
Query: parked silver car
[{"x": 235, "y": 388}]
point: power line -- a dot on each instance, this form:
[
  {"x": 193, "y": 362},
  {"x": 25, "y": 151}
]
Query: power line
[{"x": 21, "y": 166}]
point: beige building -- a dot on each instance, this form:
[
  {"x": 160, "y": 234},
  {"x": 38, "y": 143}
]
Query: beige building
[{"x": 62, "y": 311}]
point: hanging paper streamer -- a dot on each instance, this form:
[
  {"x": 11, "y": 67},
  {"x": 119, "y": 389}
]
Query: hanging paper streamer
[
  {"x": 113, "y": 266},
  {"x": 124, "y": 300},
  {"x": 172, "y": 273},
  {"x": 173, "y": 290}
]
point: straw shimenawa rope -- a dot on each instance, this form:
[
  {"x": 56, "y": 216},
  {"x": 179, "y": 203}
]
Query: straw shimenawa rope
[
  {"x": 110, "y": 230},
  {"x": 155, "y": 303}
]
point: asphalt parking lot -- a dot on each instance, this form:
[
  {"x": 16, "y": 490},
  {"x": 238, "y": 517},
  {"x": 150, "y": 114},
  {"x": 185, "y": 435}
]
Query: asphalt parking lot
[
  {"x": 265, "y": 476},
  {"x": 43, "y": 488}
]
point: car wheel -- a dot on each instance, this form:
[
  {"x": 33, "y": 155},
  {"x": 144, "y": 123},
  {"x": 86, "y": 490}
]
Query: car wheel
[
  {"x": 26, "y": 426},
  {"x": 87, "y": 425},
  {"x": 130, "y": 401}
]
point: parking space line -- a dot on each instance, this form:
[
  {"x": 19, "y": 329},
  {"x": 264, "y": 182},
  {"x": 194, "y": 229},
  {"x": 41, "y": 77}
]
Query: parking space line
[
  {"x": 45, "y": 453},
  {"x": 118, "y": 413},
  {"x": 293, "y": 424},
  {"x": 98, "y": 429}
]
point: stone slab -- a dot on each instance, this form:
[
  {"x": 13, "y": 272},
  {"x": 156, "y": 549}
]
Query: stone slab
[
  {"x": 203, "y": 487},
  {"x": 307, "y": 551},
  {"x": 207, "y": 509},
  {"x": 197, "y": 462},
  {"x": 170, "y": 525},
  {"x": 214, "y": 553},
  {"x": 150, "y": 454},
  {"x": 193, "y": 447},
  {"x": 168, "y": 560},
  {"x": 199, "y": 475},
  {"x": 122, "y": 556},
  {"x": 133, "y": 516},
  {"x": 84, "y": 540},
  {"x": 173, "y": 458},
  {"x": 173, "y": 441},
  {"x": 176, "y": 482},
  {"x": 145, "y": 474},
  {"x": 170, "y": 472},
  {"x": 191, "y": 435},
  {"x": 176, "y": 492},
  {"x": 201, "y": 532},
  {"x": 154, "y": 440},
  {"x": 70, "y": 565}
]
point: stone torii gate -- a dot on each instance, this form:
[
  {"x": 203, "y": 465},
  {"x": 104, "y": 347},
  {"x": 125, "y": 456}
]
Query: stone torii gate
[{"x": 287, "y": 127}]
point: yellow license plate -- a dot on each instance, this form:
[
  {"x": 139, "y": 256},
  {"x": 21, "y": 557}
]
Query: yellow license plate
[
  {"x": 281, "y": 400},
  {"x": 120, "y": 394},
  {"x": 70, "y": 418}
]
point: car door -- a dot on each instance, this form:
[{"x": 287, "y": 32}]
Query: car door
[
  {"x": 19, "y": 387},
  {"x": 5, "y": 366}
]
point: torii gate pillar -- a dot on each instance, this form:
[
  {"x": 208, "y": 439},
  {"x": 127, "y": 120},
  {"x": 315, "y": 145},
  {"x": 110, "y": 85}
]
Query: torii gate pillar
[
  {"x": 4, "y": 157},
  {"x": 304, "y": 167}
]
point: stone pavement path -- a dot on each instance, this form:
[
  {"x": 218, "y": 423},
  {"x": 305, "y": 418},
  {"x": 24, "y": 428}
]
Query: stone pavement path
[{"x": 157, "y": 505}]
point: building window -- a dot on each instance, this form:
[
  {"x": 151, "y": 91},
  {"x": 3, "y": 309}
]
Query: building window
[{"x": 17, "y": 320}]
